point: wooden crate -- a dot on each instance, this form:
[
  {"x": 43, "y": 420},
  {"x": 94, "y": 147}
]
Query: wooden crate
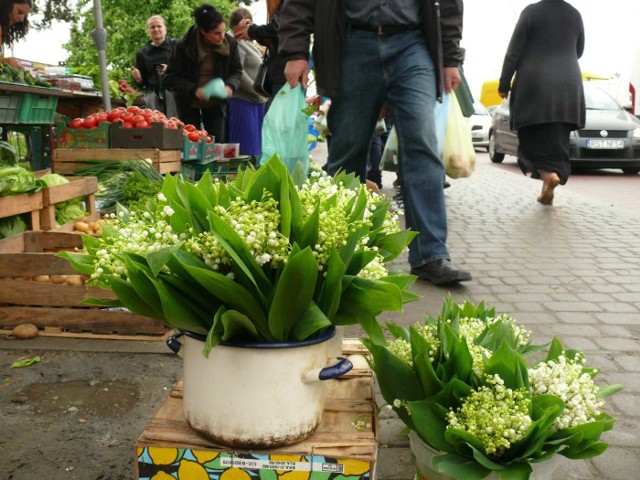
[
  {"x": 65, "y": 161},
  {"x": 335, "y": 450},
  {"x": 85, "y": 187},
  {"x": 53, "y": 307},
  {"x": 23, "y": 203}
]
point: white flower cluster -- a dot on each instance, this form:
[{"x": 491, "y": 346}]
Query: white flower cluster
[
  {"x": 402, "y": 348},
  {"x": 335, "y": 201},
  {"x": 257, "y": 223},
  {"x": 566, "y": 379},
  {"x": 141, "y": 233},
  {"x": 497, "y": 415}
]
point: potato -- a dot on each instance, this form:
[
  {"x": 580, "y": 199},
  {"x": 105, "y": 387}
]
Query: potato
[
  {"x": 95, "y": 226},
  {"x": 42, "y": 278},
  {"x": 82, "y": 227},
  {"x": 74, "y": 280},
  {"x": 25, "y": 331},
  {"x": 58, "y": 278}
]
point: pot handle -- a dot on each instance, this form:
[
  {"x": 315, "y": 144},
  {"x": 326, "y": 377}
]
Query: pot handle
[
  {"x": 343, "y": 366},
  {"x": 173, "y": 342}
]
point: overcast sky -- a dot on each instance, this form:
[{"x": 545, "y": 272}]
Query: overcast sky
[{"x": 612, "y": 31}]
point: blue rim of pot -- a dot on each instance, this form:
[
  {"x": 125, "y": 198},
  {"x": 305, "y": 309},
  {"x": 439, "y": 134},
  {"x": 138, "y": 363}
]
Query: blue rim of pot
[{"x": 329, "y": 334}]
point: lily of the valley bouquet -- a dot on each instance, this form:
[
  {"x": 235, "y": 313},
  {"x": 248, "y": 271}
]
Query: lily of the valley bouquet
[
  {"x": 463, "y": 383},
  {"x": 261, "y": 257}
]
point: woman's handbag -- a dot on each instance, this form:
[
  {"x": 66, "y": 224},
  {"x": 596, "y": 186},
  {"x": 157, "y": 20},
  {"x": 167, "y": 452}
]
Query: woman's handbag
[{"x": 260, "y": 80}]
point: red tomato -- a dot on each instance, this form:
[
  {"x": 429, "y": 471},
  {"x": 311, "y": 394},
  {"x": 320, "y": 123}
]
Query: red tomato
[
  {"x": 171, "y": 124},
  {"x": 77, "y": 123},
  {"x": 113, "y": 115},
  {"x": 141, "y": 124},
  {"x": 126, "y": 116},
  {"x": 194, "y": 137},
  {"x": 127, "y": 125},
  {"x": 209, "y": 139},
  {"x": 133, "y": 109},
  {"x": 190, "y": 128},
  {"x": 90, "y": 121},
  {"x": 138, "y": 118},
  {"x": 102, "y": 117}
]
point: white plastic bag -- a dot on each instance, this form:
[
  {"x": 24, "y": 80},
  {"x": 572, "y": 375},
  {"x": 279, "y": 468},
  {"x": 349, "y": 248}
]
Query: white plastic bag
[{"x": 459, "y": 156}]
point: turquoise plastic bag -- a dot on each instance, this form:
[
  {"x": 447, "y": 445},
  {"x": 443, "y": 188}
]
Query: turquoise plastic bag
[{"x": 285, "y": 129}]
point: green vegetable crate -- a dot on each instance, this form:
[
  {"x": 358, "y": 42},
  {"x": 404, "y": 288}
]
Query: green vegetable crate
[
  {"x": 220, "y": 168},
  {"x": 83, "y": 137},
  {"x": 9, "y": 107},
  {"x": 37, "y": 109}
]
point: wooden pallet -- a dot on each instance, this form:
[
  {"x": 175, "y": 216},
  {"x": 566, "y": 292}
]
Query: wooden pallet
[
  {"x": 66, "y": 161},
  {"x": 53, "y": 307},
  {"x": 168, "y": 443},
  {"x": 23, "y": 203}
]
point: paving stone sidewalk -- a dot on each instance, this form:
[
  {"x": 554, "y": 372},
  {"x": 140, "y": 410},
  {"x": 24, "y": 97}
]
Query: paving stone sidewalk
[{"x": 571, "y": 270}]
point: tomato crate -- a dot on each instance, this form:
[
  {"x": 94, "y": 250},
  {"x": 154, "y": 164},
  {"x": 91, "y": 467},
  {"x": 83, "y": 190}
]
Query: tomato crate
[
  {"x": 9, "y": 107},
  {"x": 66, "y": 161},
  {"x": 200, "y": 150},
  {"x": 220, "y": 168},
  {"x": 157, "y": 136},
  {"x": 83, "y": 137},
  {"x": 37, "y": 109},
  {"x": 38, "y": 287}
]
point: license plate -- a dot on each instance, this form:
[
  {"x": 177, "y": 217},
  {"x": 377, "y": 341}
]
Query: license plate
[{"x": 608, "y": 144}]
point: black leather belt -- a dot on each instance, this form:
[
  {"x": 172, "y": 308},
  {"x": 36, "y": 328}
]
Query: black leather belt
[{"x": 383, "y": 29}]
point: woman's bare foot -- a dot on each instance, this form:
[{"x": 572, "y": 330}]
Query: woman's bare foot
[{"x": 550, "y": 181}]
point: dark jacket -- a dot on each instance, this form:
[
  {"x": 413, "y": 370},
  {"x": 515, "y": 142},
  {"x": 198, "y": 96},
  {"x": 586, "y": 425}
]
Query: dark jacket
[
  {"x": 441, "y": 24},
  {"x": 543, "y": 53},
  {"x": 267, "y": 36},
  {"x": 183, "y": 70},
  {"x": 148, "y": 57}
]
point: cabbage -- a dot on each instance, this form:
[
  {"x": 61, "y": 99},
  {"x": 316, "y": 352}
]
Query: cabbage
[
  {"x": 11, "y": 226},
  {"x": 53, "y": 179},
  {"x": 15, "y": 179}
]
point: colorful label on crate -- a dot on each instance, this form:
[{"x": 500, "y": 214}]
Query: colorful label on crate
[{"x": 156, "y": 463}]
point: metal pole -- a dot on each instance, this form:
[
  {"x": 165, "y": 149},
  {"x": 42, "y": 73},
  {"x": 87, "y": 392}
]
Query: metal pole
[{"x": 100, "y": 38}]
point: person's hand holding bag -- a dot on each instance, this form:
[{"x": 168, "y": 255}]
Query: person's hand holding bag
[{"x": 459, "y": 156}]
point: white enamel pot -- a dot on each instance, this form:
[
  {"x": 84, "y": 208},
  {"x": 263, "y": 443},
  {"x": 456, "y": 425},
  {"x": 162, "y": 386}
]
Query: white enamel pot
[{"x": 256, "y": 395}]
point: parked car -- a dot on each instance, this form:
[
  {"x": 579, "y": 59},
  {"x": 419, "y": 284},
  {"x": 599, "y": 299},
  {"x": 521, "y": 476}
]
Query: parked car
[
  {"x": 480, "y": 123},
  {"x": 610, "y": 138}
]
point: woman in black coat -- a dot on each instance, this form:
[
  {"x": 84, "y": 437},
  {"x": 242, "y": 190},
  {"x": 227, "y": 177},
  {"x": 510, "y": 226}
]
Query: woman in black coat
[
  {"x": 547, "y": 97},
  {"x": 204, "y": 53}
]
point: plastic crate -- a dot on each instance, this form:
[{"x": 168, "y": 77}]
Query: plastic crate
[
  {"x": 83, "y": 137},
  {"x": 9, "y": 107},
  {"x": 37, "y": 109},
  {"x": 155, "y": 137},
  {"x": 200, "y": 150},
  {"x": 193, "y": 171}
]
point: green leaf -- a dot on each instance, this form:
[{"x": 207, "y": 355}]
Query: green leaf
[
  {"x": 131, "y": 299},
  {"x": 429, "y": 422},
  {"x": 81, "y": 262},
  {"x": 515, "y": 471},
  {"x": 309, "y": 234},
  {"x": 359, "y": 260},
  {"x": 240, "y": 254},
  {"x": 396, "y": 378},
  {"x": 608, "y": 390},
  {"x": 178, "y": 313},
  {"x": 370, "y": 325},
  {"x": 158, "y": 259},
  {"x": 373, "y": 296},
  {"x": 331, "y": 285},
  {"x": 234, "y": 295},
  {"x": 314, "y": 322},
  {"x": 509, "y": 365},
  {"x": 293, "y": 293},
  {"x": 393, "y": 244},
  {"x": 101, "y": 302},
  {"x": 26, "y": 362},
  {"x": 555, "y": 350},
  {"x": 430, "y": 382},
  {"x": 460, "y": 468},
  {"x": 398, "y": 331},
  {"x": 237, "y": 326},
  {"x": 214, "y": 336}
]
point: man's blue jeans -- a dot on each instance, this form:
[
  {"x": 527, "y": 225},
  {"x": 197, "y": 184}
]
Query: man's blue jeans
[{"x": 396, "y": 69}]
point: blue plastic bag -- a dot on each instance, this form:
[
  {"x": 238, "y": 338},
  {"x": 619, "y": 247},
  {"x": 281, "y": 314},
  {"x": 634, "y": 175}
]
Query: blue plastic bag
[
  {"x": 285, "y": 129},
  {"x": 440, "y": 117}
]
